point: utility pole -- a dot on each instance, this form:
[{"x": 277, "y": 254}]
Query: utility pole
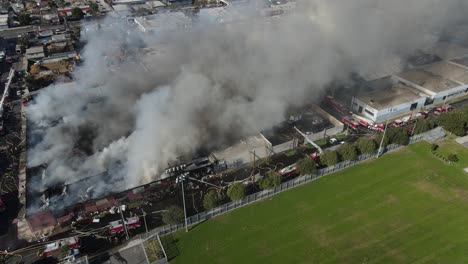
[
  {"x": 123, "y": 221},
  {"x": 381, "y": 141},
  {"x": 185, "y": 210},
  {"x": 252, "y": 174},
  {"x": 181, "y": 179},
  {"x": 414, "y": 127},
  {"x": 144, "y": 219}
]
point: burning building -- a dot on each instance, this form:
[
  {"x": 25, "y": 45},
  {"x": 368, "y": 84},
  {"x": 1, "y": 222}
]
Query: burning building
[{"x": 208, "y": 87}]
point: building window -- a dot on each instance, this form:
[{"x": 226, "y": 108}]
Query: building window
[{"x": 369, "y": 112}]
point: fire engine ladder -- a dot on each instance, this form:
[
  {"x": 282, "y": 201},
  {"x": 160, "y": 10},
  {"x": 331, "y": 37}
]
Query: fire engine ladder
[
  {"x": 320, "y": 150},
  {"x": 5, "y": 92}
]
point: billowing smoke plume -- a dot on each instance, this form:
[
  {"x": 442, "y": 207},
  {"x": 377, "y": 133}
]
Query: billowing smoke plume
[{"x": 143, "y": 99}]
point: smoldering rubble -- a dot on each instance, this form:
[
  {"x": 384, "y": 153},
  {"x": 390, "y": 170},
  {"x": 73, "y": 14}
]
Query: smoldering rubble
[{"x": 140, "y": 100}]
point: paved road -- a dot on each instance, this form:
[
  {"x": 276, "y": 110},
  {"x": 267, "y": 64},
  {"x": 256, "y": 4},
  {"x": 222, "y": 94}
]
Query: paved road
[{"x": 14, "y": 32}]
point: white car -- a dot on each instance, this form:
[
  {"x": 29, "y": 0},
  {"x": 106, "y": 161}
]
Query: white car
[{"x": 334, "y": 141}]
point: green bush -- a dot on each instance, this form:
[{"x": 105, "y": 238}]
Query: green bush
[
  {"x": 306, "y": 166},
  {"x": 347, "y": 152},
  {"x": 366, "y": 145},
  {"x": 271, "y": 179},
  {"x": 452, "y": 158},
  {"x": 434, "y": 147},
  {"x": 455, "y": 121},
  {"x": 211, "y": 200},
  {"x": 173, "y": 215},
  {"x": 329, "y": 158},
  {"x": 236, "y": 191}
]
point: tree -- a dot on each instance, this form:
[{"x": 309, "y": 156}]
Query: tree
[
  {"x": 347, "y": 152},
  {"x": 329, "y": 158},
  {"x": 397, "y": 136},
  {"x": 211, "y": 200},
  {"x": 236, "y": 191},
  {"x": 366, "y": 145},
  {"x": 94, "y": 8},
  {"x": 24, "y": 18},
  {"x": 77, "y": 13},
  {"x": 423, "y": 126},
  {"x": 385, "y": 141},
  {"x": 452, "y": 158},
  {"x": 455, "y": 122},
  {"x": 173, "y": 215},
  {"x": 306, "y": 166},
  {"x": 271, "y": 179},
  {"x": 434, "y": 147}
]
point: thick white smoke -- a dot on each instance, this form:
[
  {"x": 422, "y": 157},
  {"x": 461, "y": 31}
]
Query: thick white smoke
[{"x": 210, "y": 84}]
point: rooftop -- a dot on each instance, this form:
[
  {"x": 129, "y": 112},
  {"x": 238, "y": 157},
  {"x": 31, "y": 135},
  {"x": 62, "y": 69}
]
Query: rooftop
[
  {"x": 449, "y": 71},
  {"x": 429, "y": 80},
  {"x": 385, "y": 92},
  {"x": 36, "y": 52},
  {"x": 461, "y": 61},
  {"x": 41, "y": 220},
  {"x": 306, "y": 120},
  {"x": 449, "y": 50},
  {"x": 163, "y": 21}
]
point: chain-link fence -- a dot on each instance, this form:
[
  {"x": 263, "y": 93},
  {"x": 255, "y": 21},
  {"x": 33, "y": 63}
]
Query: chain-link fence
[
  {"x": 436, "y": 133},
  {"x": 154, "y": 250}
]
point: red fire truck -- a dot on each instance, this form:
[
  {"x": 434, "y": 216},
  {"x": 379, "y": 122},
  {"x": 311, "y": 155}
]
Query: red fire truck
[
  {"x": 133, "y": 222},
  {"x": 442, "y": 109},
  {"x": 50, "y": 249},
  {"x": 117, "y": 226},
  {"x": 398, "y": 123},
  {"x": 350, "y": 122},
  {"x": 378, "y": 127}
]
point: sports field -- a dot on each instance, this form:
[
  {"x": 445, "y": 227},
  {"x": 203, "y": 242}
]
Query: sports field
[{"x": 407, "y": 206}]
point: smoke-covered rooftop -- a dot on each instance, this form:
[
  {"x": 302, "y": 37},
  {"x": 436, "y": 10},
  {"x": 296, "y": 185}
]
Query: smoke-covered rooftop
[
  {"x": 133, "y": 111},
  {"x": 386, "y": 92}
]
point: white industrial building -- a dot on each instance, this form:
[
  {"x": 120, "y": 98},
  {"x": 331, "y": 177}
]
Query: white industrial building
[
  {"x": 441, "y": 81},
  {"x": 387, "y": 97},
  {"x": 411, "y": 90}
]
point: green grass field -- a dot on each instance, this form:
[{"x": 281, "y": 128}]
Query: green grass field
[{"x": 407, "y": 206}]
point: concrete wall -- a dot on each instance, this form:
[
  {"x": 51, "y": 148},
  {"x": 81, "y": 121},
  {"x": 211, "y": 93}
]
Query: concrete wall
[
  {"x": 336, "y": 129},
  {"x": 450, "y": 94},
  {"x": 394, "y": 111},
  {"x": 285, "y": 146}
]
